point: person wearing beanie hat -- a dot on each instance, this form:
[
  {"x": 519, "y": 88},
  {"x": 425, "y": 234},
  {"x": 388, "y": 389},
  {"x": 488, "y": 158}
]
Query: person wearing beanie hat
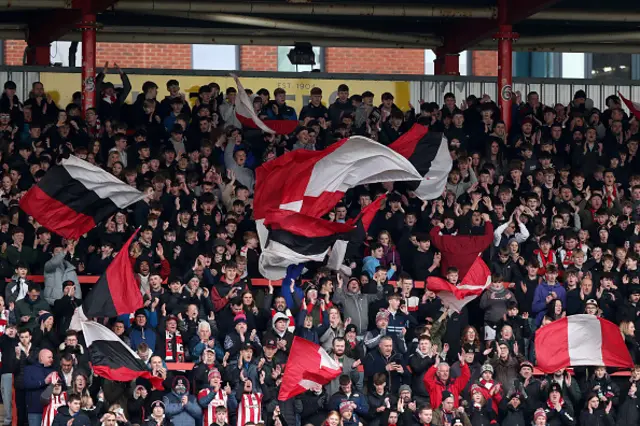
[
  {"x": 446, "y": 413},
  {"x": 480, "y": 410},
  {"x": 354, "y": 347},
  {"x": 355, "y": 305},
  {"x": 559, "y": 411},
  {"x": 214, "y": 395},
  {"x": 490, "y": 389},
  {"x": 540, "y": 417},
  {"x": 182, "y": 406},
  {"x": 372, "y": 338},
  {"x": 143, "y": 329},
  {"x": 157, "y": 417}
]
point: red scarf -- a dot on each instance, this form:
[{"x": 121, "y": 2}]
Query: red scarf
[
  {"x": 550, "y": 404},
  {"x": 169, "y": 347},
  {"x": 611, "y": 196}
]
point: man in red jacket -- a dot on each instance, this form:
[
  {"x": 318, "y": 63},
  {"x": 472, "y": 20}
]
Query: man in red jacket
[
  {"x": 462, "y": 250},
  {"x": 437, "y": 380}
]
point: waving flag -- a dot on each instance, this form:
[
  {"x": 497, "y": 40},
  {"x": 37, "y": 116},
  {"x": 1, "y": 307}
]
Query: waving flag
[
  {"x": 308, "y": 365},
  {"x": 580, "y": 340},
  {"x": 634, "y": 107},
  {"x": 249, "y": 119},
  {"x": 346, "y": 248},
  {"x": 477, "y": 279},
  {"x": 295, "y": 191},
  {"x": 112, "y": 358},
  {"x": 429, "y": 153},
  {"x": 73, "y": 197},
  {"x": 116, "y": 292}
]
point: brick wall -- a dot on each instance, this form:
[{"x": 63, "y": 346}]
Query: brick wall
[
  {"x": 14, "y": 51},
  {"x": 259, "y": 58},
  {"x": 485, "y": 63},
  {"x": 172, "y": 56},
  {"x": 265, "y": 58},
  {"x": 374, "y": 61}
]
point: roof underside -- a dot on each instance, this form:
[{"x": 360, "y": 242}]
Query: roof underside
[{"x": 569, "y": 25}]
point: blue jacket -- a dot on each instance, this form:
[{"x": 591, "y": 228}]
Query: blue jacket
[
  {"x": 369, "y": 265},
  {"x": 362, "y": 406},
  {"x": 539, "y": 306},
  {"x": 34, "y": 385},
  {"x": 187, "y": 415},
  {"x": 145, "y": 334},
  {"x": 196, "y": 347}
]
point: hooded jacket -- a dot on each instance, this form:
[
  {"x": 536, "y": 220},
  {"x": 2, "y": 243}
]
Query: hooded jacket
[
  {"x": 356, "y": 306},
  {"x": 56, "y": 271},
  {"x": 146, "y": 334},
  {"x": 276, "y": 335},
  {"x": 189, "y": 414}
]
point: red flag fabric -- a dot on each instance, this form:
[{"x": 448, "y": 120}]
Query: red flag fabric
[
  {"x": 580, "y": 340},
  {"x": 308, "y": 365},
  {"x": 634, "y": 107},
  {"x": 249, "y": 119},
  {"x": 477, "y": 279}
]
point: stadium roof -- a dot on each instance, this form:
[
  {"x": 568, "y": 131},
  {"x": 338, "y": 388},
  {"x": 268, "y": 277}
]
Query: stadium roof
[{"x": 449, "y": 26}]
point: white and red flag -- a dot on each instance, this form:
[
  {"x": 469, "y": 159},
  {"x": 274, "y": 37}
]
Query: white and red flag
[
  {"x": 580, "y": 340},
  {"x": 294, "y": 192},
  {"x": 455, "y": 297},
  {"x": 308, "y": 366},
  {"x": 249, "y": 119},
  {"x": 634, "y": 107}
]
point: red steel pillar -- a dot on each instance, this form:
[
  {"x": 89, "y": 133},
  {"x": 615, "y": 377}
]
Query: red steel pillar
[
  {"x": 88, "y": 27},
  {"x": 39, "y": 55},
  {"x": 505, "y": 37},
  {"x": 446, "y": 64}
]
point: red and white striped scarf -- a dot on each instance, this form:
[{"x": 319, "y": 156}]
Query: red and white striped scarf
[
  {"x": 169, "y": 346},
  {"x": 250, "y": 409},
  {"x": 612, "y": 194},
  {"x": 50, "y": 411}
]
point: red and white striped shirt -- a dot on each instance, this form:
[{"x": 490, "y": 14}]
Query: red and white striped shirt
[
  {"x": 250, "y": 409},
  {"x": 219, "y": 400},
  {"x": 50, "y": 411}
]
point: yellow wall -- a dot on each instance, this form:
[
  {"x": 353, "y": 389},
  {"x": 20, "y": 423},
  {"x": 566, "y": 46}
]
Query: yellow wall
[{"x": 62, "y": 86}]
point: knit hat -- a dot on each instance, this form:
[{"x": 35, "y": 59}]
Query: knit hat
[
  {"x": 240, "y": 318},
  {"x": 526, "y": 364},
  {"x": 172, "y": 318},
  {"x": 214, "y": 373},
  {"x": 404, "y": 388},
  {"x": 351, "y": 327},
  {"x": 140, "y": 311},
  {"x": 591, "y": 302},
  {"x": 382, "y": 315},
  {"x": 157, "y": 403},
  {"x": 345, "y": 406},
  {"x": 555, "y": 387},
  {"x": 446, "y": 394},
  {"x": 42, "y": 318},
  {"x": 475, "y": 388},
  {"x": 539, "y": 413},
  {"x": 354, "y": 279},
  {"x": 487, "y": 367}
]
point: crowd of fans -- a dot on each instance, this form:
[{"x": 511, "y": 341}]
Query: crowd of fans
[{"x": 551, "y": 203}]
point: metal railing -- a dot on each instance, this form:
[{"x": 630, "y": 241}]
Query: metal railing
[{"x": 428, "y": 88}]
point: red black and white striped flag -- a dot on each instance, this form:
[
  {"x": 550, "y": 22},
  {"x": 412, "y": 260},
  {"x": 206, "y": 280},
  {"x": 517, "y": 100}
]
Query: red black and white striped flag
[
  {"x": 74, "y": 196},
  {"x": 112, "y": 358},
  {"x": 429, "y": 154},
  {"x": 295, "y": 191}
]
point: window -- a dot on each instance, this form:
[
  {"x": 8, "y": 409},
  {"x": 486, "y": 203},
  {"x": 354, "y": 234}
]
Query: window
[
  {"x": 284, "y": 65},
  {"x": 608, "y": 66}
]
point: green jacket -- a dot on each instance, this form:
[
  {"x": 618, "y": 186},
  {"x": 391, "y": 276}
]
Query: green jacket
[{"x": 27, "y": 307}]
